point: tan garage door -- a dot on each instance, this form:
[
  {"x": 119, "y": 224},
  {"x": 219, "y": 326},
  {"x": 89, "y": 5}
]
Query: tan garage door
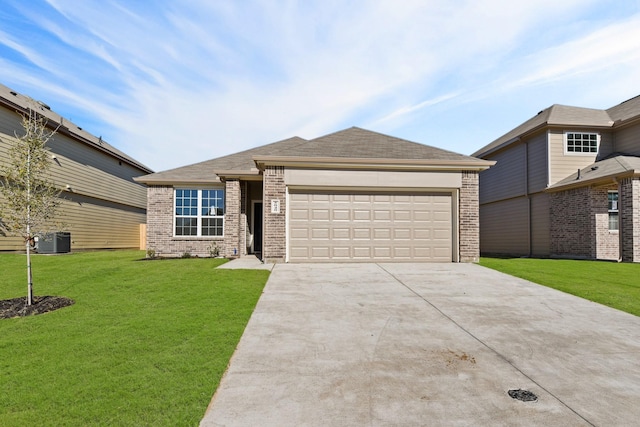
[{"x": 329, "y": 226}]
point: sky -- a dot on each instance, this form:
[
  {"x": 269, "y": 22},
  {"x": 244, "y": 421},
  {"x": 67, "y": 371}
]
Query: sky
[{"x": 175, "y": 82}]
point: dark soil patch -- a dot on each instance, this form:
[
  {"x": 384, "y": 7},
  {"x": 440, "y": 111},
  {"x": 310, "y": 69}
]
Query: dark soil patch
[{"x": 17, "y": 307}]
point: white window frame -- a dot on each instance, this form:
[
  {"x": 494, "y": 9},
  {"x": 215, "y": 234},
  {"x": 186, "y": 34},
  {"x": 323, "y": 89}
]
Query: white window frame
[
  {"x": 614, "y": 209},
  {"x": 580, "y": 153},
  {"x": 199, "y": 215}
]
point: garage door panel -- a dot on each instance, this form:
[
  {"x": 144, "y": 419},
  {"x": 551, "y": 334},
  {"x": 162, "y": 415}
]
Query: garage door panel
[
  {"x": 362, "y": 252},
  {"x": 362, "y": 233},
  {"x": 422, "y": 234},
  {"x": 341, "y": 214},
  {"x": 300, "y": 233},
  {"x": 370, "y": 227},
  {"x": 382, "y": 233},
  {"x": 319, "y": 214},
  {"x": 341, "y": 233},
  {"x": 401, "y": 215},
  {"x": 320, "y": 233},
  {"x": 301, "y": 214},
  {"x": 320, "y": 252},
  {"x": 342, "y": 252},
  {"x": 381, "y": 215}
]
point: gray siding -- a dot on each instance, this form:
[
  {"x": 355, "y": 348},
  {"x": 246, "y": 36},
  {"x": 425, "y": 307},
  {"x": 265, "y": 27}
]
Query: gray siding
[
  {"x": 506, "y": 178},
  {"x": 627, "y": 140},
  {"x": 540, "y": 225},
  {"x": 606, "y": 145},
  {"x": 537, "y": 163},
  {"x": 503, "y": 227},
  {"x": 103, "y": 208}
]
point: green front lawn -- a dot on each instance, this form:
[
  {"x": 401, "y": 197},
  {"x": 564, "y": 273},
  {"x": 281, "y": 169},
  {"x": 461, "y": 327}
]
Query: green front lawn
[
  {"x": 613, "y": 284},
  {"x": 145, "y": 343}
]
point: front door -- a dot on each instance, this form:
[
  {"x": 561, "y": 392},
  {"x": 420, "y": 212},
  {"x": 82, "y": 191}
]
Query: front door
[{"x": 257, "y": 227}]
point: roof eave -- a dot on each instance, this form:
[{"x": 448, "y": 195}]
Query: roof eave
[
  {"x": 59, "y": 126},
  {"x": 245, "y": 175},
  {"x": 174, "y": 182},
  {"x": 602, "y": 180},
  {"x": 362, "y": 163}
]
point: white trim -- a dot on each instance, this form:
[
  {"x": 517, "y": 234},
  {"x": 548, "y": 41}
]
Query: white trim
[
  {"x": 580, "y": 153},
  {"x": 286, "y": 224},
  {"x": 455, "y": 225}
]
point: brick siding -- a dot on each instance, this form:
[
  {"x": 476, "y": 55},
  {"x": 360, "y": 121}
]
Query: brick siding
[
  {"x": 160, "y": 228},
  {"x": 607, "y": 244},
  {"x": 232, "y": 219},
  {"x": 629, "y": 207},
  {"x": 469, "y": 221},
  {"x": 580, "y": 224},
  {"x": 571, "y": 228},
  {"x": 274, "y": 244}
]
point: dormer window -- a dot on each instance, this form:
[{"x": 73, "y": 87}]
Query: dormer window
[{"x": 581, "y": 142}]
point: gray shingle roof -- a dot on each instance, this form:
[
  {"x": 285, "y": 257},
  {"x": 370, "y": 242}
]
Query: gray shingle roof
[
  {"x": 360, "y": 143},
  {"x": 626, "y": 110},
  {"x": 352, "y": 143},
  {"x": 556, "y": 115},
  {"x": 206, "y": 171},
  {"x": 12, "y": 99},
  {"x": 607, "y": 169}
]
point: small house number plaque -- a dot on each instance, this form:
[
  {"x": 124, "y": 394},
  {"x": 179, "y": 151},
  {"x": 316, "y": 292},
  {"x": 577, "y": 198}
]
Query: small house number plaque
[{"x": 275, "y": 206}]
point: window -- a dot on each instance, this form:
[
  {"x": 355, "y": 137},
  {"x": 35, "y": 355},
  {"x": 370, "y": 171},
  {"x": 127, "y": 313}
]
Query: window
[
  {"x": 613, "y": 211},
  {"x": 199, "y": 213},
  {"x": 579, "y": 142}
]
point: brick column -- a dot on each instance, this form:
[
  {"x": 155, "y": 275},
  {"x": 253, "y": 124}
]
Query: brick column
[
  {"x": 629, "y": 213},
  {"x": 160, "y": 219},
  {"x": 232, "y": 246},
  {"x": 274, "y": 242},
  {"x": 469, "y": 225}
]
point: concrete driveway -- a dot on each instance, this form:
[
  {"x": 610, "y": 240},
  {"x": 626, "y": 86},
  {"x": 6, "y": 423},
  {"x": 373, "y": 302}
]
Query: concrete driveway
[{"x": 427, "y": 345}]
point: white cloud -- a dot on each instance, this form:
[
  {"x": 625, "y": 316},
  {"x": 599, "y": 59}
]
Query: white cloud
[{"x": 175, "y": 84}]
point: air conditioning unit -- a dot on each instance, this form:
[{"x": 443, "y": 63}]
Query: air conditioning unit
[{"x": 54, "y": 243}]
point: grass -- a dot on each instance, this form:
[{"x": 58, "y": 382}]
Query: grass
[
  {"x": 616, "y": 285},
  {"x": 145, "y": 344}
]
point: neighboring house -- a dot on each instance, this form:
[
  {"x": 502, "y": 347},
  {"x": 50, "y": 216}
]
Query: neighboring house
[
  {"x": 566, "y": 184},
  {"x": 102, "y": 207},
  {"x": 354, "y": 195}
]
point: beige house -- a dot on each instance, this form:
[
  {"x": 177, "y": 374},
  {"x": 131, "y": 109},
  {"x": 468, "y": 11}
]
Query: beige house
[
  {"x": 566, "y": 184},
  {"x": 102, "y": 207},
  {"x": 351, "y": 196}
]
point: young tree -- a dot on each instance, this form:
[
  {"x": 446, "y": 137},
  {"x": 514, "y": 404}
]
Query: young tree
[{"x": 30, "y": 197}]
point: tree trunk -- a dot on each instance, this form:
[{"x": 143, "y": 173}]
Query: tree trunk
[{"x": 29, "y": 275}]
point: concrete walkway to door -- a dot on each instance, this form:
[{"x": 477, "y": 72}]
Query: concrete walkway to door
[{"x": 427, "y": 344}]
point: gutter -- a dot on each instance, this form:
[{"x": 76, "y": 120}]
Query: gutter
[
  {"x": 607, "y": 179},
  {"x": 367, "y": 163}
]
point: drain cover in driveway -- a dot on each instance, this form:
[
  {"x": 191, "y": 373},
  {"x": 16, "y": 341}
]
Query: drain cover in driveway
[{"x": 524, "y": 395}]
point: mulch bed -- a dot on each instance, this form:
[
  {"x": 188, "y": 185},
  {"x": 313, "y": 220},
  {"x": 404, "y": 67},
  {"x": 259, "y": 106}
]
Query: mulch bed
[{"x": 17, "y": 307}]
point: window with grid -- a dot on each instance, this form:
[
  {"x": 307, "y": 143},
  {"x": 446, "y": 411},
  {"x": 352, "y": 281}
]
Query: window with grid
[
  {"x": 199, "y": 213},
  {"x": 613, "y": 211},
  {"x": 580, "y": 142}
]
